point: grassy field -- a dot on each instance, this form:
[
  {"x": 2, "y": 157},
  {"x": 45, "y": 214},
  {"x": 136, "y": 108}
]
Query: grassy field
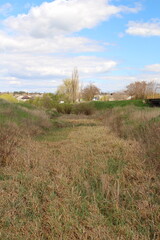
[
  {"x": 79, "y": 177},
  {"x": 100, "y": 105}
]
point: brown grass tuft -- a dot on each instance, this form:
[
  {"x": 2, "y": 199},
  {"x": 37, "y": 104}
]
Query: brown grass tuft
[{"x": 10, "y": 139}]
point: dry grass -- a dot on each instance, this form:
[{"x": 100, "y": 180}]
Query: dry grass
[
  {"x": 10, "y": 140},
  {"x": 41, "y": 118},
  {"x": 93, "y": 185},
  {"x": 142, "y": 125},
  {"x": 145, "y": 114}
]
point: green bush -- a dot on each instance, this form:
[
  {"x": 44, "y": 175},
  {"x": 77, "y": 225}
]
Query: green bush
[
  {"x": 43, "y": 102},
  {"x": 9, "y": 98},
  {"x": 53, "y": 113},
  {"x": 65, "y": 108},
  {"x": 83, "y": 108}
]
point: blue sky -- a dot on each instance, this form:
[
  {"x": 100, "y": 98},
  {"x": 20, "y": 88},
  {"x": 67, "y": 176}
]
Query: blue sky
[{"x": 112, "y": 43}]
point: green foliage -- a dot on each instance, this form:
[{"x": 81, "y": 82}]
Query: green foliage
[
  {"x": 43, "y": 102},
  {"x": 8, "y": 97},
  {"x": 64, "y": 108},
  {"x": 26, "y": 105},
  {"x": 49, "y": 101},
  {"x": 79, "y": 108},
  {"x": 53, "y": 113}
]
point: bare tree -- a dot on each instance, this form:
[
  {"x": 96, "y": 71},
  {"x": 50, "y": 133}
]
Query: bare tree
[
  {"x": 89, "y": 92},
  {"x": 137, "y": 90},
  {"x": 151, "y": 89},
  {"x": 75, "y": 85}
]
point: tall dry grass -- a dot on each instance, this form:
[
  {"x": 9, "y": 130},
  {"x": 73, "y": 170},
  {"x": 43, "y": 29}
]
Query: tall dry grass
[
  {"x": 93, "y": 185},
  {"x": 10, "y": 140},
  {"x": 17, "y": 124},
  {"x": 142, "y": 125}
]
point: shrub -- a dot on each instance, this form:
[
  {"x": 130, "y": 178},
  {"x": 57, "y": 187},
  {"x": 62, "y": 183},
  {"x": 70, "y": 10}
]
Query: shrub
[
  {"x": 43, "y": 102},
  {"x": 9, "y": 98},
  {"x": 53, "y": 113},
  {"x": 83, "y": 108},
  {"x": 64, "y": 108}
]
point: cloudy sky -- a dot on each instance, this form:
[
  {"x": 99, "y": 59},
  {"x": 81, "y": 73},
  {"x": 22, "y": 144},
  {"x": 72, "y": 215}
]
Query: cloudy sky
[{"x": 111, "y": 42}]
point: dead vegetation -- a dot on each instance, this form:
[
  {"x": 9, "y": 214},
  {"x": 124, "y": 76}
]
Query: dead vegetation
[
  {"x": 142, "y": 125},
  {"x": 10, "y": 139},
  {"x": 92, "y": 184}
]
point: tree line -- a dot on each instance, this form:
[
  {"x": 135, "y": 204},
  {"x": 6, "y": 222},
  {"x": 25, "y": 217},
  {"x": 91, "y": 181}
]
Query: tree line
[{"x": 71, "y": 91}]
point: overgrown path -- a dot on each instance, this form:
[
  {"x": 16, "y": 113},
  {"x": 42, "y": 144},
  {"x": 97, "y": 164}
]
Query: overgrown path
[{"x": 86, "y": 184}]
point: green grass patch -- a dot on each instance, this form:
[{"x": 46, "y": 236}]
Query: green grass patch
[
  {"x": 26, "y": 105},
  {"x": 13, "y": 112},
  {"x": 16, "y": 112},
  {"x": 54, "y": 135},
  {"x": 100, "y": 105}
]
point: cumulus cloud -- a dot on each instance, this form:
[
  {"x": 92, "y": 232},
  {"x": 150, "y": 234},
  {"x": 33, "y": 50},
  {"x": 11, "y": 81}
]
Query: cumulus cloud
[
  {"x": 57, "y": 44},
  {"x": 153, "y": 68},
  {"x": 64, "y": 17},
  {"x": 145, "y": 29},
  {"x": 32, "y": 67},
  {"x": 39, "y": 49},
  {"x": 44, "y": 72}
]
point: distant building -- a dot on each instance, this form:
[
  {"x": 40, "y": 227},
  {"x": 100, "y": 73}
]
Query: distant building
[
  {"x": 118, "y": 96},
  {"x": 23, "y": 98}
]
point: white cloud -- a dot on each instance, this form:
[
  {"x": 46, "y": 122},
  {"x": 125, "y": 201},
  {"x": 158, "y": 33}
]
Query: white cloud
[
  {"x": 136, "y": 9},
  {"x": 15, "y": 82},
  {"x": 145, "y": 29},
  {"x": 5, "y": 9},
  {"x": 39, "y": 49},
  {"x": 56, "y": 44},
  {"x": 42, "y": 72},
  {"x": 36, "y": 67},
  {"x": 64, "y": 17},
  {"x": 153, "y": 68},
  {"x": 114, "y": 83}
]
